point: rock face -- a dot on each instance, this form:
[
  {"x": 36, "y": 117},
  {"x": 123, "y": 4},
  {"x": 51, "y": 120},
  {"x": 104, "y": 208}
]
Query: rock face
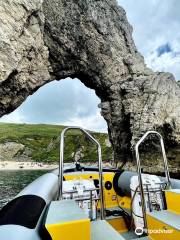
[
  {"x": 23, "y": 54},
  {"x": 10, "y": 150},
  {"x": 90, "y": 40}
]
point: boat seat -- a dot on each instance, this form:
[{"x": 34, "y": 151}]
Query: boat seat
[
  {"x": 66, "y": 220},
  {"x": 102, "y": 230},
  {"x": 169, "y": 218},
  {"x": 163, "y": 220},
  {"x": 172, "y": 200}
]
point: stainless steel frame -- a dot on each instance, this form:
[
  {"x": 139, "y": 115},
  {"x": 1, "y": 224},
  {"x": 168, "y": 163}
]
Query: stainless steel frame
[
  {"x": 61, "y": 162},
  {"x": 139, "y": 169}
]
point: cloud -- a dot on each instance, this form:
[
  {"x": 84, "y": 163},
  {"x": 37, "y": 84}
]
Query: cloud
[
  {"x": 155, "y": 24},
  {"x": 167, "y": 61},
  {"x": 14, "y": 117},
  {"x": 66, "y": 102},
  {"x": 91, "y": 122}
]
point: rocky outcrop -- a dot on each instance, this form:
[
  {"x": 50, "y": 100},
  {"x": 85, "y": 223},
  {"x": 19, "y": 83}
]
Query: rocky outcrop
[
  {"x": 91, "y": 40},
  {"x": 10, "y": 150},
  {"x": 23, "y": 54}
]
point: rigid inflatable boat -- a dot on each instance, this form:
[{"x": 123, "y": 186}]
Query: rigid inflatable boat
[{"x": 78, "y": 202}]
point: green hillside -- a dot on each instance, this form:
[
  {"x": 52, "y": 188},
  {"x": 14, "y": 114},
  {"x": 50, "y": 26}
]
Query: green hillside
[{"x": 41, "y": 142}]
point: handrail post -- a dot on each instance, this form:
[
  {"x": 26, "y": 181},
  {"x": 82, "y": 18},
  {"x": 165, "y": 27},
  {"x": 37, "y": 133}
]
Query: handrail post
[
  {"x": 61, "y": 163},
  {"x": 141, "y": 187},
  {"x": 165, "y": 162},
  {"x": 139, "y": 169},
  {"x": 101, "y": 186}
]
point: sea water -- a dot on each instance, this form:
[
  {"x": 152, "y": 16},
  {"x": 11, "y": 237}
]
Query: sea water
[{"x": 12, "y": 182}]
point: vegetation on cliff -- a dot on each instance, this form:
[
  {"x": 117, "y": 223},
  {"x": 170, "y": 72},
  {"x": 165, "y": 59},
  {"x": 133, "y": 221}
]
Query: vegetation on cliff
[{"x": 40, "y": 143}]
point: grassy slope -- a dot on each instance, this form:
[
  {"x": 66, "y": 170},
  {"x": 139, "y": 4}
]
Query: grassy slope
[{"x": 43, "y": 141}]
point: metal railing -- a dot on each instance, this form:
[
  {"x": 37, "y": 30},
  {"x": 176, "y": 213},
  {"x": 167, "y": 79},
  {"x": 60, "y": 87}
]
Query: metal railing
[
  {"x": 61, "y": 163},
  {"x": 139, "y": 169}
]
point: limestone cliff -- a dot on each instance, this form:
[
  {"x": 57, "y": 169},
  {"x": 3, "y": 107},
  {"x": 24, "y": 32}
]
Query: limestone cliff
[{"x": 91, "y": 40}]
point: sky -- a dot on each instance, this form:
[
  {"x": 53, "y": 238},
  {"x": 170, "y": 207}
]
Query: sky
[{"x": 156, "y": 25}]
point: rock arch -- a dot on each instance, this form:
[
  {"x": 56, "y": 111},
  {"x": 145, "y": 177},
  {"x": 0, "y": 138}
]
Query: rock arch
[{"x": 91, "y": 40}]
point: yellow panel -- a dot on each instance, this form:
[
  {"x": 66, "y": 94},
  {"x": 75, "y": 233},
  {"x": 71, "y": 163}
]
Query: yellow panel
[
  {"x": 118, "y": 224},
  {"x": 82, "y": 175},
  {"x": 125, "y": 202},
  {"x": 110, "y": 196},
  {"x": 173, "y": 201},
  {"x": 163, "y": 231},
  {"x": 75, "y": 230}
]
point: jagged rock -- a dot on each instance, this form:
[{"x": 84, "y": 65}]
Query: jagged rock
[
  {"x": 91, "y": 40},
  {"x": 23, "y": 54}
]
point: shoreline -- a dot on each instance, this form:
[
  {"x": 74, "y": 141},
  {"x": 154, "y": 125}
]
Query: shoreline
[
  {"x": 28, "y": 165},
  {"x": 13, "y": 165}
]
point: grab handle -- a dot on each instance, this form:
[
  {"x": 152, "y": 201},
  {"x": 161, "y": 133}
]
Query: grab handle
[
  {"x": 61, "y": 162},
  {"x": 166, "y": 169}
]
